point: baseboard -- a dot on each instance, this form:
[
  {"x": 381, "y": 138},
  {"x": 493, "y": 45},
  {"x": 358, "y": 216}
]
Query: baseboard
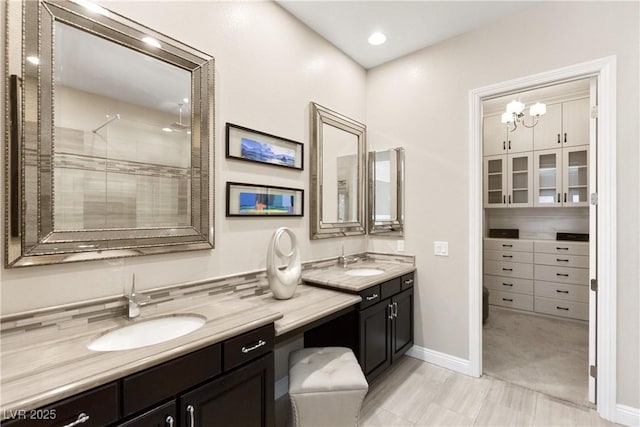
[
  {"x": 441, "y": 359},
  {"x": 282, "y": 387},
  {"x": 627, "y": 415}
]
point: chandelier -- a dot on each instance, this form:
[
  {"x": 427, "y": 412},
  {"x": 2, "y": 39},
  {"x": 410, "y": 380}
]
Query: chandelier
[{"x": 515, "y": 115}]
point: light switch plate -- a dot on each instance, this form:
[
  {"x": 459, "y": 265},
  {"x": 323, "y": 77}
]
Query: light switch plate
[
  {"x": 400, "y": 247},
  {"x": 441, "y": 248}
]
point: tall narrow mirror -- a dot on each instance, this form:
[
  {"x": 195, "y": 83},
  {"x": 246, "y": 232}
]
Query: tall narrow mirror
[
  {"x": 338, "y": 149},
  {"x": 111, "y": 130},
  {"x": 386, "y": 192}
]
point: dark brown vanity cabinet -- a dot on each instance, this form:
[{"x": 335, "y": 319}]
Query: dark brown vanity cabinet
[{"x": 225, "y": 384}]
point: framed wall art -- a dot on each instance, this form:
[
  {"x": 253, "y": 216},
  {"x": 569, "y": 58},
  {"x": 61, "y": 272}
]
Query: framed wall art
[
  {"x": 263, "y": 200},
  {"x": 254, "y": 146}
]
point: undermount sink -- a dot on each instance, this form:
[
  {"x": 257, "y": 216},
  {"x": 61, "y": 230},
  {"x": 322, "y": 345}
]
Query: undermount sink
[
  {"x": 363, "y": 272},
  {"x": 147, "y": 332}
]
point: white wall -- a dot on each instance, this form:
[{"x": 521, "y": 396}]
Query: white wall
[
  {"x": 268, "y": 68},
  {"x": 421, "y": 102}
]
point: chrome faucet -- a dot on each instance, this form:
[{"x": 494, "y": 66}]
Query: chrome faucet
[
  {"x": 136, "y": 300},
  {"x": 345, "y": 260}
]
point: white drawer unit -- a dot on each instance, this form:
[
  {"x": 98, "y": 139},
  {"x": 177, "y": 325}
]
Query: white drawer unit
[
  {"x": 562, "y": 260},
  {"x": 549, "y": 273},
  {"x": 526, "y": 257},
  {"x": 511, "y": 299},
  {"x": 562, "y": 291},
  {"x": 562, "y": 248},
  {"x": 508, "y": 269},
  {"x": 508, "y": 245},
  {"x": 509, "y": 284},
  {"x": 572, "y": 309}
]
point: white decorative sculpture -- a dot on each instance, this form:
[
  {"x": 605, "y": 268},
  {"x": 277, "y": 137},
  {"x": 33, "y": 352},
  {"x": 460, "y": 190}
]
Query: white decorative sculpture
[{"x": 283, "y": 280}]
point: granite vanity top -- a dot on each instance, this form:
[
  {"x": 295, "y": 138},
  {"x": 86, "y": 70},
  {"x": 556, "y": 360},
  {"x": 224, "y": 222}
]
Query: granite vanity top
[
  {"x": 49, "y": 364},
  {"x": 336, "y": 277}
]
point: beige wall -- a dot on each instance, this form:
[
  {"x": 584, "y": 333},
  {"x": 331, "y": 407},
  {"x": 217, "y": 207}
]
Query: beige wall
[
  {"x": 268, "y": 68},
  {"x": 421, "y": 102}
]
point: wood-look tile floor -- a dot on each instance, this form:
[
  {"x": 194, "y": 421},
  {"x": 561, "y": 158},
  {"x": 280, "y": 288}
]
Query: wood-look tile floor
[{"x": 416, "y": 393}]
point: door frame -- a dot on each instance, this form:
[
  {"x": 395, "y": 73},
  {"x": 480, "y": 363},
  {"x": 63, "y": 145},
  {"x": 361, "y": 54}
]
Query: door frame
[{"x": 605, "y": 71}]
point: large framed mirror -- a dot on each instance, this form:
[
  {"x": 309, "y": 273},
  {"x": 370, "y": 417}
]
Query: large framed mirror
[
  {"x": 110, "y": 137},
  {"x": 386, "y": 192},
  {"x": 338, "y": 149}
]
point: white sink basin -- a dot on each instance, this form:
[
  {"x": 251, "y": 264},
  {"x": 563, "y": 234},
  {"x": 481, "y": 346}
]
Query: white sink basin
[
  {"x": 363, "y": 272},
  {"x": 147, "y": 332}
]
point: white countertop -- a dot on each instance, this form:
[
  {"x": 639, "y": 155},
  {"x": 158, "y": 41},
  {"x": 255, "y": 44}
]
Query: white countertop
[{"x": 336, "y": 277}]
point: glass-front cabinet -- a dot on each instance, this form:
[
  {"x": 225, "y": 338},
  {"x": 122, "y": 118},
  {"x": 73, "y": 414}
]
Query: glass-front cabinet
[
  {"x": 508, "y": 180},
  {"x": 576, "y": 176},
  {"x": 495, "y": 181},
  {"x": 547, "y": 185},
  {"x": 561, "y": 177}
]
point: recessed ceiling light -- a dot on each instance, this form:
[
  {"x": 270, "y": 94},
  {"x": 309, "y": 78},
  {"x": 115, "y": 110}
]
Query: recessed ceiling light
[
  {"x": 34, "y": 60},
  {"x": 377, "y": 38},
  {"x": 151, "y": 42},
  {"x": 168, "y": 130}
]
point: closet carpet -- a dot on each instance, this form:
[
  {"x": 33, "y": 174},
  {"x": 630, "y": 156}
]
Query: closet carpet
[{"x": 544, "y": 354}]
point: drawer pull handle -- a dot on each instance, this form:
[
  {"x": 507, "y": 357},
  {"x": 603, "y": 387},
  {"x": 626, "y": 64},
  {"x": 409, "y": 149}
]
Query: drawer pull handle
[
  {"x": 507, "y": 256},
  {"x": 260, "y": 343},
  {"x": 562, "y": 260},
  {"x": 507, "y": 246},
  {"x": 561, "y": 291},
  {"x": 82, "y": 418},
  {"x": 562, "y": 249},
  {"x": 507, "y": 284},
  {"x": 408, "y": 282},
  {"x": 190, "y": 411},
  {"x": 371, "y": 297},
  {"x": 562, "y": 275},
  {"x": 507, "y": 299},
  {"x": 562, "y": 308},
  {"x": 507, "y": 269},
  {"x": 169, "y": 422}
]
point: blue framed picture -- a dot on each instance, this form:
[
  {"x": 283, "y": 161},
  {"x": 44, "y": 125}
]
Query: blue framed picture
[
  {"x": 254, "y": 146},
  {"x": 263, "y": 200}
]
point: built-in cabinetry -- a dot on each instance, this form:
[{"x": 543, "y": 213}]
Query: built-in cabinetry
[
  {"x": 383, "y": 326},
  {"x": 229, "y": 383},
  {"x": 549, "y": 169},
  {"x": 548, "y": 277}
]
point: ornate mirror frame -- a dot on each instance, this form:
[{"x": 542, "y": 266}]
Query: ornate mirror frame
[
  {"x": 320, "y": 229},
  {"x": 30, "y": 237},
  {"x": 394, "y": 226}
]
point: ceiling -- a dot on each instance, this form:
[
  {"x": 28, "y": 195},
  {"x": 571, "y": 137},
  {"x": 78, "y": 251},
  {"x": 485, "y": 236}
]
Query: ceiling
[{"x": 408, "y": 25}]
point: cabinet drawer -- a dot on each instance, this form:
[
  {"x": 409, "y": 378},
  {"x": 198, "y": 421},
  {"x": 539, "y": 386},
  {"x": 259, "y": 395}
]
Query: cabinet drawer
[
  {"x": 390, "y": 288},
  {"x": 156, "y": 417},
  {"x": 99, "y": 406},
  {"x": 510, "y": 299},
  {"x": 146, "y": 388},
  {"x": 407, "y": 281},
  {"x": 509, "y": 269},
  {"x": 548, "y": 273},
  {"x": 578, "y": 261},
  {"x": 525, "y": 257},
  {"x": 562, "y": 291},
  {"x": 557, "y": 307},
  {"x": 508, "y": 245},
  {"x": 562, "y": 248},
  {"x": 509, "y": 284},
  {"x": 370, "y": 296},
  {"x": 248, "y": 346}
]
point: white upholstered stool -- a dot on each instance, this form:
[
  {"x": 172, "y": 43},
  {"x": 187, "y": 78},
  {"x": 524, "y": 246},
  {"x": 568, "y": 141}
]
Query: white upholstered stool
[{"x": 326, "y": 387}]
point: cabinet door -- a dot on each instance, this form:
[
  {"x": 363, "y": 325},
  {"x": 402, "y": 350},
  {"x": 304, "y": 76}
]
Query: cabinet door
[
  {"x": 575, "y": 178},
  {"x": 495, "y": 181},
  {"x": 375, "y": 330},
  {"x": 242, "y": 397},
  {"x": 520, "y": 180},
  {"x": 402, "y": 326},
  {"x": 494, "y": 136},
  {"x": 548, "y": 132},
  {"x": 575, "y": 122},
  {"x": 547, "y": 181},
  {"x": 520, "y": 140}
]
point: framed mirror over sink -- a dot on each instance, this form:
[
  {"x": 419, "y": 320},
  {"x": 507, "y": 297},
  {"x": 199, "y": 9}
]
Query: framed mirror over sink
[{"x": 110, "y": 137}]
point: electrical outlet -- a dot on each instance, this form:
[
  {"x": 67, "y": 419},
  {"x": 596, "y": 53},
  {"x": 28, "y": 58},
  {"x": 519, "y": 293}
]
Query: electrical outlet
[
  {"x": 400, "y": 247},
  {"x": 441, "y": 248}
]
